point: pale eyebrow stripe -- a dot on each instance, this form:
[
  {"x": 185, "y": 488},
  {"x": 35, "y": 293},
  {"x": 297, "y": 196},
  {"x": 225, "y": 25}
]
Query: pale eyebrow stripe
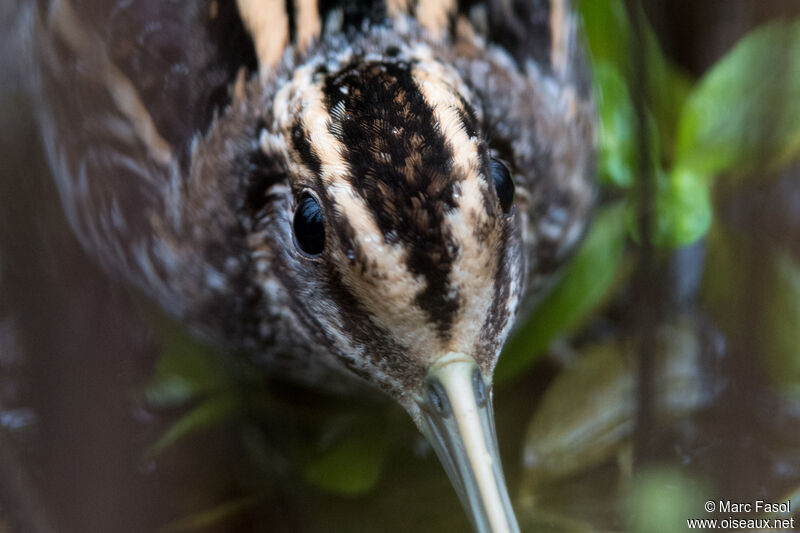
[
  {"x": 475, "y": 267},
  {"x": 399, "y": 311},
  {"x": 63, "y": 19},
  {"x": 560, "y": 21},
  {"x": 438, "y": 86},
  {"x": 268, "y": 25},
  {"x": 308, "y": 23},
  {"x": 434, "y": 15},
  {"x": 397, "y": 8},
  {"x": 315, "y": 118}
]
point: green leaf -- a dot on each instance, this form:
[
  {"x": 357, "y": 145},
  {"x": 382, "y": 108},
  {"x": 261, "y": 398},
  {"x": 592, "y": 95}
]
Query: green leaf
[
  {"x": 616, "y": 132},
  {"x": 584, "y": 417},
  {"x": 171, "y": 390},
  {"x": 745, "y": 113},
  {"x": 607, "y": 30},
  {"x": 587, "y": 415},
  {"x": 352, "y": 466},
  {"x": 208, "y": 414},
  {"x": 186, "y": 369},
  {"x": 667, "y": 90},
  {"x": 609, "y": 38},
  {"x": 683, "y": 209},
  {"x": 586, "y": 283}
]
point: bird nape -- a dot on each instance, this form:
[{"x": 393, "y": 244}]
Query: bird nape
[{"x": 350, "y": 192}]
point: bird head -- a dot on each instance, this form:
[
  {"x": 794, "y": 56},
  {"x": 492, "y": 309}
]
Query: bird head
[
  {"x": 398, "y": 243},
  {"x": 402, "y": 215}
]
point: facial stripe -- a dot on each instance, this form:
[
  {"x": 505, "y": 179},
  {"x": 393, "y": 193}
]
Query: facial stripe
[
  {"x": 314, "y": 128},
  {"x": 381, "y": 281},
  {"x": 350, "y": 330},
  {"x": 471, "y": 224},
  {"x": 441, "y": 87},
  {"x": 475, "y": 268},
  {"x": 299, "y": 115},
  {"x": 302, "y": 147},
  {"x": 383, "y": 265},
  {"x": 560, "y": 35},
  {"x": 397, "y": 8},
  {"x": 468, "y": 118},
  {"x": 506, "y": 293},
  {"x": 308, "y": 22},
  {"x": 268, "y": 24},
  {"x": 434, "y": 15},
  {"x": 291, "y": 19},
  {"x": 362, "y": 339},
  {"x": 400, "y": 163}
]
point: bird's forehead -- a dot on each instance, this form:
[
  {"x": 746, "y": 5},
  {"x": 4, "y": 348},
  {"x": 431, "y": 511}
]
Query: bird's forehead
[
  {"x": 406, "y": 99},
  {"x": 391, "y": 128}
]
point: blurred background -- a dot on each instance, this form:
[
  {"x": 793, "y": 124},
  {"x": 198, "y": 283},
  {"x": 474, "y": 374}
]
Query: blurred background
[{"x": 662, "y": 371}]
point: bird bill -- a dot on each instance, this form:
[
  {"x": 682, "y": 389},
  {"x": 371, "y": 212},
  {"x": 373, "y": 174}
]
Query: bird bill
[{"x": 457, "y": 420}]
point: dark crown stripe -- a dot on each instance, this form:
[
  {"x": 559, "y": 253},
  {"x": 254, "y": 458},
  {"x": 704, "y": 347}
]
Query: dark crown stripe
[
  {"x": 380, "y": 348},
  {"x": 499, "y": 312},
  {"x": 302, "y": 146},
  {"x": 291, "y": 16},
  {"x": 401, "y": 165}
]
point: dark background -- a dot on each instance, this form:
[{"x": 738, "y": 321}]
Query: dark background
[{"x": 74, "y": 344}]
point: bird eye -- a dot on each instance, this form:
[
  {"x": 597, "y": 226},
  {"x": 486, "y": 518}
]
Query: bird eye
[
  {"x": 309, "y": 227},
  {"x": 503, "y": 184}
]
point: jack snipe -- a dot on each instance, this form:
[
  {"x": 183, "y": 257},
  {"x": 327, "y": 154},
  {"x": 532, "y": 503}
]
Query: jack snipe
[{"x": 350, "y": 191}]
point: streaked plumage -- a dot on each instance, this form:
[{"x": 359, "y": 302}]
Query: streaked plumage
[{"x": 183, "y": 136}]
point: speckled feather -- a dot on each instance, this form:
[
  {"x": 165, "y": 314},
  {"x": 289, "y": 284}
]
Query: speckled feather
[{"x": 181, "y": 136}]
